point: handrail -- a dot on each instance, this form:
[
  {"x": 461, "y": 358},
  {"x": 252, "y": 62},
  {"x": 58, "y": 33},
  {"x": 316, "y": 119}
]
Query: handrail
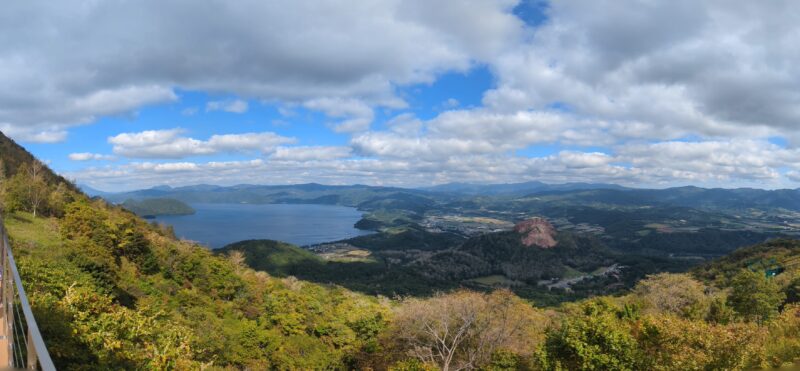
[{"x": 33, "y": 345}]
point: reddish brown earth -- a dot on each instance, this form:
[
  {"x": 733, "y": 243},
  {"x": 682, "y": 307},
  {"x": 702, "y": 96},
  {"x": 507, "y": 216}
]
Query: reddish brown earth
[{"x": 537, "y": 231}]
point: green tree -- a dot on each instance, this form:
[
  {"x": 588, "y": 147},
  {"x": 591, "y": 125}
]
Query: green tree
[
  {"x": 58, "y": 200},
  {"x": 720, "y": 312},
  {"x": 3, "y": 181},
  {"x": 38, "y": 191},
  {"x": 27, "y": 189},
  {"x": 793, "y": 291},
  {"x": 595, "y": 339},
  {"x": 16, "y": 196},
  {"x": 755, "y": 296}
]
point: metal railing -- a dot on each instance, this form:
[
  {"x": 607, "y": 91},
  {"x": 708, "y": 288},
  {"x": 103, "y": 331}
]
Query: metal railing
[{"x": 21, "y": 344}]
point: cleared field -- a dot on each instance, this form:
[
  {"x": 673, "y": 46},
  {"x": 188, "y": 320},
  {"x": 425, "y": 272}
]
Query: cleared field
[
  {"x": 495, "y": 280},
  {"x": 348, "y": 255},
  {"x": 572, "y": 273}
]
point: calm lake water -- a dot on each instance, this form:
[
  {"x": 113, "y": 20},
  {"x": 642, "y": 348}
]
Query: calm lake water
[{"x": 217, "y": 225}]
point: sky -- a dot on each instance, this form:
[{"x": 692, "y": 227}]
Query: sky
[{"x": 125, "y": 94}]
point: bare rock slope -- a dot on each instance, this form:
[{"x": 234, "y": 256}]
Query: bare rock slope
[{"x": 537, "y": 231}]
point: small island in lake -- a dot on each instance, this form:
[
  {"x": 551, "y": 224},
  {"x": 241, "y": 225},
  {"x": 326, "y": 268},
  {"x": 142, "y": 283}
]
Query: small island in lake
[{"x": 152, "y": 207}]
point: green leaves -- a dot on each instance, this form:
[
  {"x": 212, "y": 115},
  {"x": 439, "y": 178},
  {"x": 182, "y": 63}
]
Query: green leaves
[{"x": 754, "y": 296}]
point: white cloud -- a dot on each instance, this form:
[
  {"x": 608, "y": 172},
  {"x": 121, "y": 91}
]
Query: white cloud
[
  {"x": 170, "y": 144},
  {"x": 478, "y": 131},
  {"x": 450, "y": 103},
  {"x": 713, "y": 163},
  {"x": 735, "y": 160},
  {"x": 612, "y": 89},
  {"x": 170, "y": 167},
  {"x": 356, "y": 115},
  {"x": 310, "y": 153},
  {"x": 793, "y": 175},
  {"x": 52, "y": 134},
  {"x": 666, "y": 69},
  {"x": 86, "y": 156},
  {"x": 233, "y": 106},
  {"x": 46, "y": 121},
  {"x": 63, "y": 64},
  {"x": 189, "y": 111}
]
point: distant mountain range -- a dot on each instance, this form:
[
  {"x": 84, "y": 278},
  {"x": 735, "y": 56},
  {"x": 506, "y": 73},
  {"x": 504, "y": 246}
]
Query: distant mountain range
[
  {"x": 417, "y": 200},
  {"x": 517, "y": 188}
]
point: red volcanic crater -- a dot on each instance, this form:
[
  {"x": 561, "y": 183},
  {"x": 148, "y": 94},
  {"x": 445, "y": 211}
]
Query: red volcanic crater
[{"x": 537, "y": 231}]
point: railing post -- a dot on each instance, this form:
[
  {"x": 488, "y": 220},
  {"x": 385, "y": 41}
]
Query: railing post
[
  {"x": 8, "y": 303},
  {"x": 6, "y": 357},
  {"x": 11, "y": 288},
  {"x": 33, "y": 360}
]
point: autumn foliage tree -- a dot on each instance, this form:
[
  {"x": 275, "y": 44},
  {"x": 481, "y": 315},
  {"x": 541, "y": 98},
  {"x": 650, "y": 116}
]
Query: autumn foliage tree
[
  {"x": 464, "y": 329},
  {"x": 678, "y": 294}
]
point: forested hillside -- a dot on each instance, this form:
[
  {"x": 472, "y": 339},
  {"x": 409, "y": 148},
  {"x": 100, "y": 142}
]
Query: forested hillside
[{"x": 111, "y": 291}]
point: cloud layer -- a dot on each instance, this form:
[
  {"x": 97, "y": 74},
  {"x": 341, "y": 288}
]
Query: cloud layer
[
  {"x": 170, "y": 144},
  {"x": 69, "y": 63},
  {"x": 639, "y": 92}
]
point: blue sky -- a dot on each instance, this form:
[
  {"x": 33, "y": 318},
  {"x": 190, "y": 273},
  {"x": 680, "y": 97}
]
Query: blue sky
[
  {"x": 410, "y": 93},
  {"x": 189, "y": 112}
]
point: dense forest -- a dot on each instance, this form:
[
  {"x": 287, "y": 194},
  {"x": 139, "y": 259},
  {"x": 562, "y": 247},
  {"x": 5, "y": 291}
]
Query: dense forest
[{"x": 111, "y": 291}]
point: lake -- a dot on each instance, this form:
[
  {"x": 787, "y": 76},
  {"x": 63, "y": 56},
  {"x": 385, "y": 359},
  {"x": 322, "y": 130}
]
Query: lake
[{"x": 217, "y": 225}]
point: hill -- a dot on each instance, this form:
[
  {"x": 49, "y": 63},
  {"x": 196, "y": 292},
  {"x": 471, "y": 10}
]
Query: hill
[
  {"x": 14, "y": 157},
  {"x": 779, "y": 258},
  {"x": 277, "y": 258},
  {"x": 151, "y": 207},
  {"x": 516, "y": 188},
  {"x": 111, "y": 291},
  {"x": 370, "y": 273}
]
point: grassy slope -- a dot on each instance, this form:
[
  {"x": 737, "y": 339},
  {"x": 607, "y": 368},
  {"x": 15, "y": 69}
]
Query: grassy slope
[{"x": 210, "y": 328}]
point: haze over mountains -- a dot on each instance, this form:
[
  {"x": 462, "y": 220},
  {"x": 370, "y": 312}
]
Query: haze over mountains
[{"x": 354, "y": 195}]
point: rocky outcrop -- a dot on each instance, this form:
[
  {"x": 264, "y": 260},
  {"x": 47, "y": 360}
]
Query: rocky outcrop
[{"x": 537, "y": 231}]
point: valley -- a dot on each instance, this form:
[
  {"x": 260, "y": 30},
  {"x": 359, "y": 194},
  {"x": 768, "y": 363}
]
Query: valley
[{"x": 426, "y": 240}]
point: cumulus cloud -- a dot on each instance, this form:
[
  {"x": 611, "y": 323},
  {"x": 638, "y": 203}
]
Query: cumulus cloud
[
  {"x": 639, "y": 93},
  {"x": 72, "y": 62},
  {"x": 668, "y": 69},
  {"x": 311, "y": 153},
  {"x": 715, "y": 163},
  {"x": 86, "y": 156},
  {"x": 478, "y": 131},
  {"x": 233, "y": 106},
  {"x": 46, "y": 118},
  {"x": 708, "y": 161},
  {"x": 355, "y": 114},
  {"x": 171, "y": 144}
]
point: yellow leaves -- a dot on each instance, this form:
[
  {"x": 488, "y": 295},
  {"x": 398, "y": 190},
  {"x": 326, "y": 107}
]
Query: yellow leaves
[
  {"x": 116, "y": 333},
  {"x": 671, "y": 343},
  {"x": 463, "y": 328},
  {"x": 677, "y": 294}
]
